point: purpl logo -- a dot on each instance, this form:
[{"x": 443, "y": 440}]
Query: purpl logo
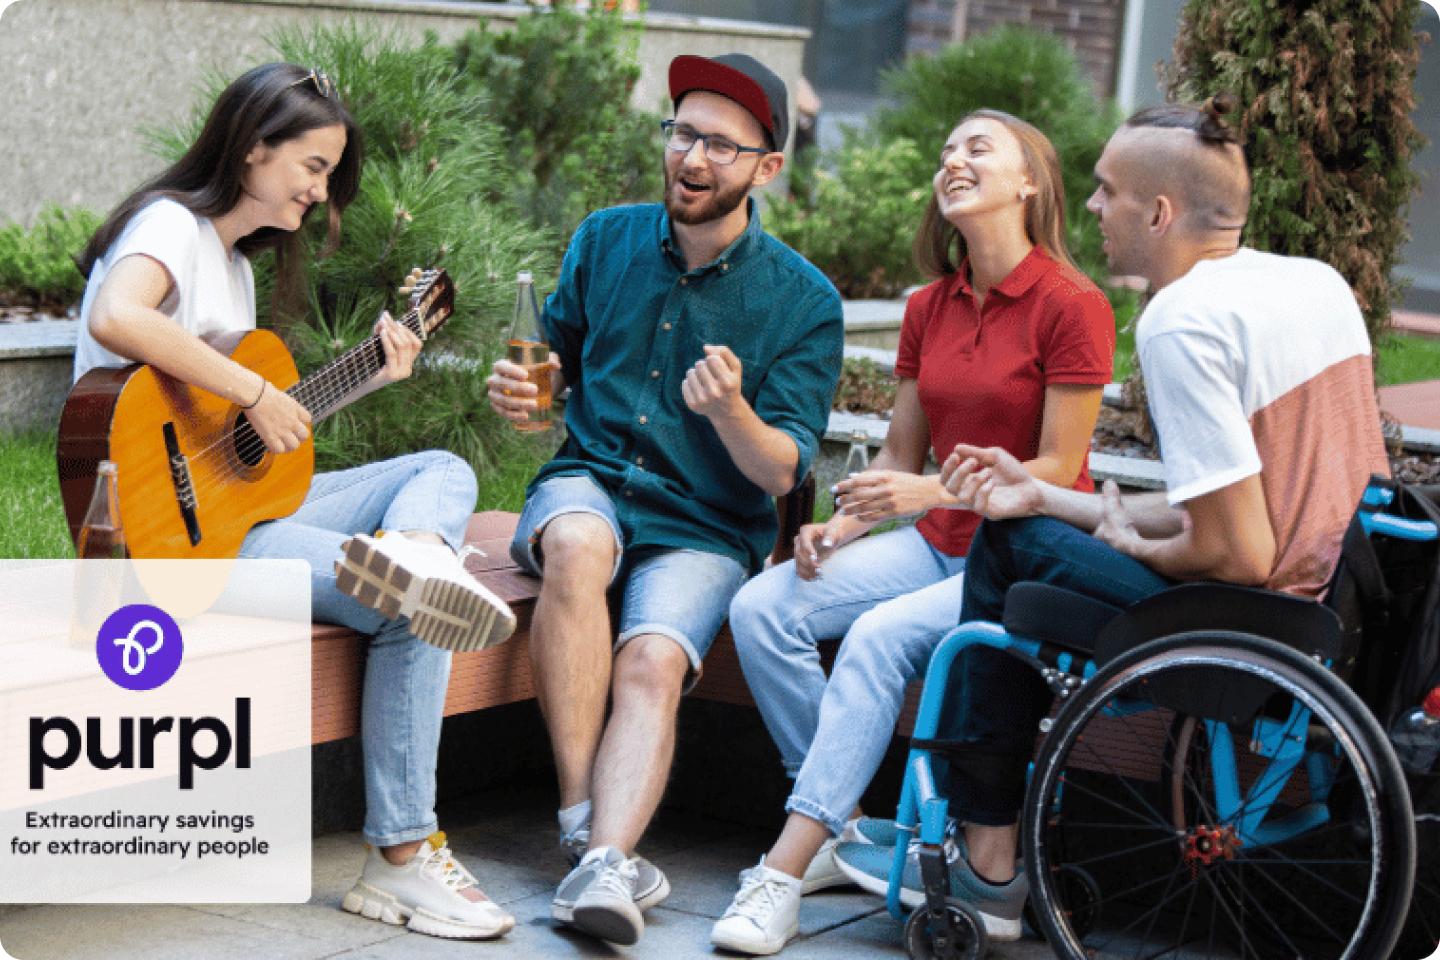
[{"x": 139, "y": 647}]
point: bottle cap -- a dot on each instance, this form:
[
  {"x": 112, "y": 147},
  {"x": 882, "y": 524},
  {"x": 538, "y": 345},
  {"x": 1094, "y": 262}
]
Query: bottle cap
[
  {"x": 524, "y": 276},
  {"x": 1431, "y": 706}
]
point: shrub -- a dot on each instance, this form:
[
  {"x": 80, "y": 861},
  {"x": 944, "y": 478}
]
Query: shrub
[
  {"x": 434, "y": 191},
  {"x": 1028, "y": 74},
  {"x": 1327, "y": 92},
  {"x": 559, "y": 84},
  {"x": 37, "y": 266},
  {"x": 864, "y": 387},
  {"x": 856, "y": 222}
]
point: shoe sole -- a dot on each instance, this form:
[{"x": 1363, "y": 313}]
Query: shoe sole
[
  {"x": 365, "y": 901},
  {"x": 764, "y": 949},
  {"x": 998, "y": 929},
  {"x": 609, "y": 922},
  {"x": 448, "y": 615}
]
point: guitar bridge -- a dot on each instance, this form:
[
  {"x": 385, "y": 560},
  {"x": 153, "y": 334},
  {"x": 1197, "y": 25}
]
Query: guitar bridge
[{"x": 180, "y": 479}]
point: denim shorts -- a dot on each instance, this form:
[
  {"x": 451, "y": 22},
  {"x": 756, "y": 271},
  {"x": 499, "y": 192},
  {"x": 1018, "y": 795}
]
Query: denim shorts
[{"x": 675, "y": 592}]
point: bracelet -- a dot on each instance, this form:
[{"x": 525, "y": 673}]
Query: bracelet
[{"x": 263, "y": 384}]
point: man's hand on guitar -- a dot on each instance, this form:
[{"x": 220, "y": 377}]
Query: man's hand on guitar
[
  {"x": 279, "y": 419},
  {"x": 401, "y": 347}
]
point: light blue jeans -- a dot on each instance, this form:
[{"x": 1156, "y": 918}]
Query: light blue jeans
[
  {"x": 405, "y": 678},
  {"x": 892, "y": 597}
]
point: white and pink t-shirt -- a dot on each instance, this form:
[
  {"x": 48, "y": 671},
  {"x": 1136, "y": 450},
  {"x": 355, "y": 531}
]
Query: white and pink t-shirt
[{"x": 1259, "y": 364}]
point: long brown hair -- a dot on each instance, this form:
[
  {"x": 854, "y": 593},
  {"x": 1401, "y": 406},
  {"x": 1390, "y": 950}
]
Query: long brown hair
[
  {"x": 940, "y": 248},
  {"x": 270, "y": 104}
]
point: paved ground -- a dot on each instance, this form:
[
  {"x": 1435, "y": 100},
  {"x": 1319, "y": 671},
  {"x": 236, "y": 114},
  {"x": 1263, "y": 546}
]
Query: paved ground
[{"x": 510, "y": 844}]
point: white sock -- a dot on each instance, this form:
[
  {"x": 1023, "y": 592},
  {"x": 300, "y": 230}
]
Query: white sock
[{"x": 576, "y": 817}]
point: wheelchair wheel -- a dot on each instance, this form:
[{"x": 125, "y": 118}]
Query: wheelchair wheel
[
  {"x": 1081, "y": 895},
  {"x": 969, "y": 934},
  {"x": 1230, "y": 798}
]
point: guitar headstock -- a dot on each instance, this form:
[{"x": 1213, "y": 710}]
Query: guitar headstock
[{"x": 432, "y": 298}]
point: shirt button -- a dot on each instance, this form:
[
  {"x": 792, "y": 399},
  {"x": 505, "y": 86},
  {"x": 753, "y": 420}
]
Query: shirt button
[
  {"x": 724, "y": 267},
  {"x": 629, "y": 493},
  {"x": 665, "y": 325},
  {"x": 684, "y": 281},
  {"x": 639, "y": 461},
  {"x": 654, "y": 374},
  {"x": 644, "y": 419}
]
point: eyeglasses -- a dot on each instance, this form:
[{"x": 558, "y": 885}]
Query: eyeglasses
[
  {"x": 718, "y": 149},
  {"x": 321, "y": 79}
]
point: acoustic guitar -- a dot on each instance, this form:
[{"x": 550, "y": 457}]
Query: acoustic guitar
[{"x": 194, "y": 476}]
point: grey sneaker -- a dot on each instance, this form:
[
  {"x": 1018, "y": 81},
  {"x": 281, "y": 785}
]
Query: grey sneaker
[
  {"x": 999, "y": 905},
  {"x": 651, "y": 884},
  {"x": 599, "y": 898}
]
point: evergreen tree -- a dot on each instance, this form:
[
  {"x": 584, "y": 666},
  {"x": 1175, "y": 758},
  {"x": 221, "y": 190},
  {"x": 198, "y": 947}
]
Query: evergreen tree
[{"x": 1327, "y": 88}]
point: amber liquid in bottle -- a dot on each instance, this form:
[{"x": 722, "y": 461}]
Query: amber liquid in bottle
[
  {"x": 528, "y": 349},
  {"x": 523, "y": 352},
  {"x": 100, "y": 536}
]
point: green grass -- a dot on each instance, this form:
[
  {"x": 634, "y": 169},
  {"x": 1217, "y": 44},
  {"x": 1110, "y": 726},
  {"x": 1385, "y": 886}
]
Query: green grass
[
  {"x": 32, "y": 520},
  {"x": 1406, "y": 359},
  {"x": 1403, "y": 358}
]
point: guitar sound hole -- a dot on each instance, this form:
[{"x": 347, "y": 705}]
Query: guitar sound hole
[{"x": 249, "y": 448}]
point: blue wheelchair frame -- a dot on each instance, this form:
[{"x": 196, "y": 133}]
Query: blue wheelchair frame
[{"x": 923, "y": 811}]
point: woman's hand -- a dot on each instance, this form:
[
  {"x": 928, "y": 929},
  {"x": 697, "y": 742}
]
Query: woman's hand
[
  {"x": 991, "y": 482},
  {"x": 816, "y": 542},
  {"x": 1116, "y": 527},
  {"x": 879, "y": 495},
  {"x": 278, "y": 418},
  {"x": 401, "y": 347}
]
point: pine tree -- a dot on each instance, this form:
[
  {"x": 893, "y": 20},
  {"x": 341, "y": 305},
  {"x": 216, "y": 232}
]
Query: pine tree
[{"x": 1327, "y": 88}]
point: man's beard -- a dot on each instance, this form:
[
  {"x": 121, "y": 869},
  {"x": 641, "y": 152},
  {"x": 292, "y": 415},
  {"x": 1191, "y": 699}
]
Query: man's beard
[{"x": 716, "y": 205}]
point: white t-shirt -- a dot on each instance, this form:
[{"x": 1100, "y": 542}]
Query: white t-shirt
[
  {"x": 1259, "y": 364},
  {"x": 213, "y": 292}
]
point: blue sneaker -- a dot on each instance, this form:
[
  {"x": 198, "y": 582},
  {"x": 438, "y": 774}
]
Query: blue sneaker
[
  {"x": 882, "y": 833},
  {"x": 1000, "y": 906}
]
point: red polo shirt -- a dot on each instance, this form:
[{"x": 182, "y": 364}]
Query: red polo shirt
[{"x": 981, "y": 374}]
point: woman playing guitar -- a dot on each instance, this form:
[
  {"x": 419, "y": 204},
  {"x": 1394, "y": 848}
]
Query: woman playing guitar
[{"x": 170, "y": 266}]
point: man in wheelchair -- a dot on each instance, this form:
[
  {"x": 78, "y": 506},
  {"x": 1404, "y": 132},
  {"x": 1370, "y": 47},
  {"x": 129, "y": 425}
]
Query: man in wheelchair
[{"x": 1258, "y": 371}]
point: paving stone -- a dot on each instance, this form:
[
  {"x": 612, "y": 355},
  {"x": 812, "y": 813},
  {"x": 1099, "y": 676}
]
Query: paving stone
[{"x": 148, "y": 933}]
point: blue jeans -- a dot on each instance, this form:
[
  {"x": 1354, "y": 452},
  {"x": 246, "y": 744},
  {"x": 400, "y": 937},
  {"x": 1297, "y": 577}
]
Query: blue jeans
[
  {"x": 995, "y": 703},
  {"x": 892, "y": 597},
  {"x": 405, "y": 678},
  {"x": 673, "y": 592}
]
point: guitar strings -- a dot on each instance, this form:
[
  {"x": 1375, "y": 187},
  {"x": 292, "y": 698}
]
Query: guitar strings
[{"x": 319, "y": 393}]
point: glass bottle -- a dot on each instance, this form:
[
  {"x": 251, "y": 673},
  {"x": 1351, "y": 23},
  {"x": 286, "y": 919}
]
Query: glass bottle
[
  {"x": 528, "y": 348},
  {"x": 101, "y": 536},
  {"x": 1416, "y": 735},
  {"x": 858, "y": 459}
]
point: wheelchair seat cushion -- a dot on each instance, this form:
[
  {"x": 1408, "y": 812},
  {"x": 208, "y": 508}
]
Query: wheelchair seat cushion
[{"x": 1055, "y": 615}]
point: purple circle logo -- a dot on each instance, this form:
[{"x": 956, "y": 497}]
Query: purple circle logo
[{"x": 139, "y": 647}]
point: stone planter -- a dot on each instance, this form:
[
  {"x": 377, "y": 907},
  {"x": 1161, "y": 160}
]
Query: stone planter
[{"x": 36, "y": 360}]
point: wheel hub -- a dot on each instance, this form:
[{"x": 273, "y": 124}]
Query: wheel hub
[{"x": 1205, "y": 845}]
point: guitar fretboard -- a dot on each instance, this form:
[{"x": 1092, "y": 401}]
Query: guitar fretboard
[{"x": 322, "y": 391}]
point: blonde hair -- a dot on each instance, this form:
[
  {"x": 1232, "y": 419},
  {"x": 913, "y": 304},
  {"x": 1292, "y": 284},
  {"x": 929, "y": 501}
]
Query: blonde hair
[{"x": 940, "y": 248}]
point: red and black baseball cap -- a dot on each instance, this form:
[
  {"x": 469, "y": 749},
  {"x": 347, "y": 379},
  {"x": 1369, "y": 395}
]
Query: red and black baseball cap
[{"x": 743, "y": 79}]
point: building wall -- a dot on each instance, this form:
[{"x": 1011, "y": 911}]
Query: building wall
[
  {"x": 1091, "y": 28},
  {"x": 82, "y": 78}
]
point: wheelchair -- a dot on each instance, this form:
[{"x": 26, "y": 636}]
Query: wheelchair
[{"x": 1207, "y": 786}]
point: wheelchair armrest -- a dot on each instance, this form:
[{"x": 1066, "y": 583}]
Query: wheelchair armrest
[
  {"x": 1305, "y": 625},
  {"x": 1055, "y": 615}
]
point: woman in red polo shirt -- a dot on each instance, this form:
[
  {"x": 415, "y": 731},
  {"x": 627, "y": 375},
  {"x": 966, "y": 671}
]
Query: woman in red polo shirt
[{"x": 1010, "y": 346}]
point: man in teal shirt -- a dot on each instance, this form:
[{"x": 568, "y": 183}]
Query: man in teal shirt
[{"x": 702, "y": 355}]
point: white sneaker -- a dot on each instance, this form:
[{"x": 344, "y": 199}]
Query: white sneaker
[
  {"x": 598, "y": 897},
  {"x": 401, "y": 577},
  {"x": 651, "y": 884},
  {"x": 764, "y": 916},
  {"x": 431, "y": 893},
  {"x": 823, "y": 872}
]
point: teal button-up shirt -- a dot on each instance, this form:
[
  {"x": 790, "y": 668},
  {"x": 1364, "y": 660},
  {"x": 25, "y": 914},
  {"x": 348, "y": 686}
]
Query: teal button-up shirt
[{"x": 628, "y": 321}]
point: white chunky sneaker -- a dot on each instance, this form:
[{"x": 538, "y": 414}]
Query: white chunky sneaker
[
  {"x": 598, "y": 897},
  {"x": 431, "y": 893},
  {"x": 401, "y": 577},
  {"x": 764, "y": 916}
]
